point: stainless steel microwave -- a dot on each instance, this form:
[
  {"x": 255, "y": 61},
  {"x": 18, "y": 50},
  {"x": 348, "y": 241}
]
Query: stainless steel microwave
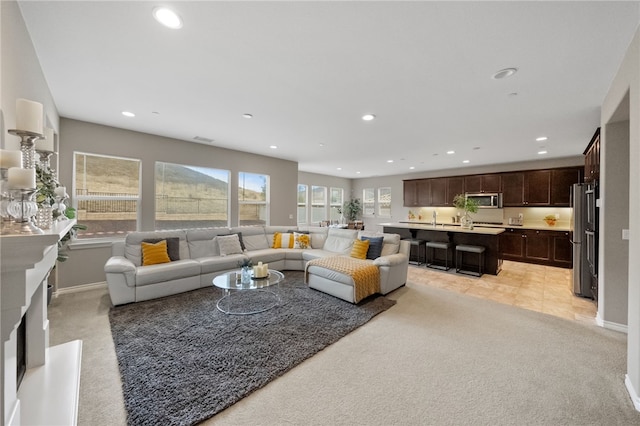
[{"x": 486, "y": 200}]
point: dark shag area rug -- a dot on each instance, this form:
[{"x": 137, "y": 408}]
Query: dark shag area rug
[{"x": 182, "y": 361}]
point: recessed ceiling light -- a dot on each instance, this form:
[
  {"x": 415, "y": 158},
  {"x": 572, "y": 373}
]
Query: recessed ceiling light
[
  {"x": 411, "y": 168},
  {"x": 542, "y": 152},
  {"x": 542, "y": 138},
  {"x": 128, "y": 114},
  {"x": 320, "y": 144},
  {"x": 465, "y": 161},
  {"x": 368, "y": 117},
  {"x": 357, "y": 173},
  {"x": 245, "y": 115},
  {"x": 451, "y": 152},
  {"x": 339, "y": 168},
  {"x": 389, "y": 161},
  {"x": 167, "y": 17},
  {"x": 273, "y": 146},
  {"x": 507, "y": 72}
]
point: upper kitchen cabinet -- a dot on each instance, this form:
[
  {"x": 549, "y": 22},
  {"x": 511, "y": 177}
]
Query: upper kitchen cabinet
[
  {"x": 482, "y": 183},
  {"x": 410, "y": 197},
  {"x": 417, "y": 193},
  {"x": 592, "y": 158},
  {"x": 443, "y": 190},
  {"x": 530, "y": 188},
  {"x": 561, "y": 182},
  {"x": 547, "y": 188}
]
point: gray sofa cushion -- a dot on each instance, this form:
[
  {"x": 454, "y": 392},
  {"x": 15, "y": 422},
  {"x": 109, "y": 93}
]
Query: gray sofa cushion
[
  {"x": 152, "y": 274},
  {"x": 266, "y": 255},
  {"x": 202, "y": 242},
  {"x": 340, "y": 240},
  {"x": 221, "y": 263},
  {"x": 254, "y": 237}
]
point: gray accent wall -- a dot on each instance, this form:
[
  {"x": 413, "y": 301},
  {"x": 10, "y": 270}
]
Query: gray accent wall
[
  {"x": 80, "y": 136},
  {"x": 623, "y": 99}
]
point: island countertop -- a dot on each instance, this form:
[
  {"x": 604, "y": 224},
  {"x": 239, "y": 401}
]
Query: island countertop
[
  {"x": 445, "y": 228},
  {"x": 561, "y": 226}
]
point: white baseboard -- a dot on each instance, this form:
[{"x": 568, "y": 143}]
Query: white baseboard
[
  {"x": 632, "y": 392},
  {"x": 83, "y": 287},
  {"x": 622, "y": 328}
]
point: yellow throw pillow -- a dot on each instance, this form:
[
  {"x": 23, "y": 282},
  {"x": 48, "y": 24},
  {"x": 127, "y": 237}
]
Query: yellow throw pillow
[
  {"x": 359, "y": 250},
  {"x": 282, "y": 240},
  {"x": 153, "y": 254},
  {"x": 302, "y": 241}
]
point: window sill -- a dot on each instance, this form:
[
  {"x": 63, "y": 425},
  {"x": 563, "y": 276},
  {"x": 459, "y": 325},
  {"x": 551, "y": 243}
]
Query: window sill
[{"x": 90, "y": 244}]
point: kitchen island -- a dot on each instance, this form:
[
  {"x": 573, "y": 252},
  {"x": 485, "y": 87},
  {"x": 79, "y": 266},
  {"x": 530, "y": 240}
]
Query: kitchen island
[{"x": 488, "y": 237}]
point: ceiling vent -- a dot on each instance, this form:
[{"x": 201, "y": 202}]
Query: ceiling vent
[{"x": 201, "y": 139}]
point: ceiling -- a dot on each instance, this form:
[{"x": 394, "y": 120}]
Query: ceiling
[{"x": 308, "y": 71}]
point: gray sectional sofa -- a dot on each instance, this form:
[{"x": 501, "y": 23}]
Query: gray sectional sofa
[{"x": 200, "y": 259}]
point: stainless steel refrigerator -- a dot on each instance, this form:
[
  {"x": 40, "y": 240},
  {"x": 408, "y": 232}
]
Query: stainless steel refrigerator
[{"x": 581, "y": 274}]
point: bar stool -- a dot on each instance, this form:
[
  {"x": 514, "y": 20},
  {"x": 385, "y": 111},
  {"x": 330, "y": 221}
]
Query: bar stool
[
  {"x": 436, "y": 245},
  {"x": 419, "y": 255},
  {"x": 463, "y": 248}
]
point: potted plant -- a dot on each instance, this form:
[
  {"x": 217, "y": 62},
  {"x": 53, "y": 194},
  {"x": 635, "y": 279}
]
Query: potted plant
[
  {"x": 351, "y": 209},
  {"x": 468, "y": 205}
]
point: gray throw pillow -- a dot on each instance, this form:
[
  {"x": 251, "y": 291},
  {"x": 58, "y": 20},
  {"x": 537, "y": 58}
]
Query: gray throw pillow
[
  {"x": 375, "y": 246},
  {"x": 229, "y": 244}
]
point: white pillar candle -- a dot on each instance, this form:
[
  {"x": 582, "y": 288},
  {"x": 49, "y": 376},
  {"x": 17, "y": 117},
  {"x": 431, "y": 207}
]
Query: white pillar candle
[
  {"x": 60, "y": 191},
  {"x": 21, "y": 178},
  {"x": 10, "y": 159},
  {"x": 45, "y": 144},
  {"x": 29, "y": 116}
]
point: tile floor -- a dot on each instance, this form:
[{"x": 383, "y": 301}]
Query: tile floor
[{"x": 535, "y": 287}]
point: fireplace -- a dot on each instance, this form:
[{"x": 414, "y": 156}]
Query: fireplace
[
  {"x": 40, "y": 383},
  {"x": 21, "y": 352}
]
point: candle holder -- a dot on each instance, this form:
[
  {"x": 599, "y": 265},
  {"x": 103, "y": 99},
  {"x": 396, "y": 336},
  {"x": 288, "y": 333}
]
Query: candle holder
[
  {"x": 27, "y": 146},
  {"x": 23, "y": 208},
  {"x": 45, "y": 159},
  {"x": 6, "y": 223}
]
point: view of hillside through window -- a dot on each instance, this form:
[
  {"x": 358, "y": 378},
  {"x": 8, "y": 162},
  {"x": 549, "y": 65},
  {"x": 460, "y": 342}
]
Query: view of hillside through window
[
  {"x": 107, "y": 192},
  {"x": 253, "y": 199}
]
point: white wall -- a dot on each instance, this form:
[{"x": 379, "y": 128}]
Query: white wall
[{"x": 21, "y": 75}]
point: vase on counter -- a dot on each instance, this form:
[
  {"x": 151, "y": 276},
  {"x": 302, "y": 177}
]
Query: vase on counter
[{"x": 466, "y": 221}]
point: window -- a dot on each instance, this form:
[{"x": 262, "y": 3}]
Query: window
[
  {"x": 335, "y": 203},
  {"x": 384, "y": 202},
  {"x": 368, "y": 202},
  {"x": 302, "y": 203},
  {"x": 318, "y": 204},
  {"x": 106, "y": 194},
  {"x": 191, "y": 197},
  {"x": 253, "y": 199}
]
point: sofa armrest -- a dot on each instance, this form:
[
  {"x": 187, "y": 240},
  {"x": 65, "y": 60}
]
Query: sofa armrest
[
  {"x": 119, "y": 265},
  {"x": 391, "y": 260}
]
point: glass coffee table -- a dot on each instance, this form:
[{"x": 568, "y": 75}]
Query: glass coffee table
[{"x": 250, "y": 298}]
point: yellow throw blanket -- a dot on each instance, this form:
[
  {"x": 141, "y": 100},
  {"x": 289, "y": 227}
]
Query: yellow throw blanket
[{"x": 366, "y": 277}]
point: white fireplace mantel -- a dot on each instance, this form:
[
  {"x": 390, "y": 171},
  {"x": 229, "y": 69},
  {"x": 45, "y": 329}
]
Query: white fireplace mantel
[{"x": 26, "y": 261}]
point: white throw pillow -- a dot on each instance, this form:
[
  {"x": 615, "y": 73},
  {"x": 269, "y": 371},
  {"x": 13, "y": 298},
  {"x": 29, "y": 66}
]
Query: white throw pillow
[{"x": 229, "y": 244}]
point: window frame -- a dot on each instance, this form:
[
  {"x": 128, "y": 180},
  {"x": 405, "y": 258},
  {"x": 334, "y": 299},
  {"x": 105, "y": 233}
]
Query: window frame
[
  {"x": 337, "y": 205},
  {"x": 372, "y": 202},
  {"x": 304, "y": 205},
  {"x": 77, "y": 198},
  {"x": 379, "y": 202},
  {"x": 266, "y": 202},
  {"x": 313, "y": 204}
]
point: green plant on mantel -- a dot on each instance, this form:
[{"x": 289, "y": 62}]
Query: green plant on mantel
[
  {"x": 351, "y": 209},
  {"x": 70, "y": 213},
  {"x": 467, "y": 204}
]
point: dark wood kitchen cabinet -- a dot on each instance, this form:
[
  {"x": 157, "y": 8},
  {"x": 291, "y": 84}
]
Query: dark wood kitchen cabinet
[
  {"x": 417, "y": 193},
  {"x": 592, "y": 158},
  {"x": 561, "y": 182},
  {"x": 524, "y": 189},
  {"x": 443, "y": 190},
  {"x": 539, "y": 188},
  {"x": 551, "y": 248},
  {"x": 482, "y": 183}
]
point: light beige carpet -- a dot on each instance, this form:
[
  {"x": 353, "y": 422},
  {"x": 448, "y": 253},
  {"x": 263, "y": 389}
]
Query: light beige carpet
[{"x": 436, "y": 357}]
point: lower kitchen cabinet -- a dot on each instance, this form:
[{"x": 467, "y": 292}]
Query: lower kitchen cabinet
[{"x": 552, "y": 248}]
